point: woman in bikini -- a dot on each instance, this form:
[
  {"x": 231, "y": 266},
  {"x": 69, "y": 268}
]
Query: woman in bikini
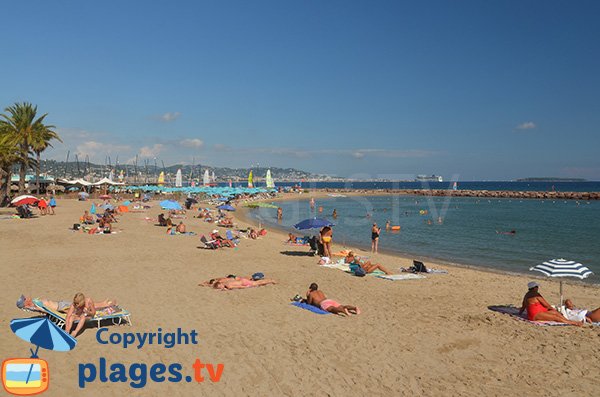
[
  {"x": 538, "y": 309},
  {"x": 326, "y": 236},
  {"x": 240, "y": 283},
  {"x": 81, "y": 308},
  {"x": 367, "y": 265}
]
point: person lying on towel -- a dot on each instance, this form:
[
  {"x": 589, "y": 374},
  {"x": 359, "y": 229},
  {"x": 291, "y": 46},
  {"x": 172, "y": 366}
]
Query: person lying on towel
[
  {"x": 583, "y": 315},
  {"x": 234, "y": 282},
  {"x": 317, "y": 298},
  {"x": 367, "y": 265}
]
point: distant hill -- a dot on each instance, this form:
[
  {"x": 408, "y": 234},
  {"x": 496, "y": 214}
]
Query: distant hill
[
  {"x": 551, "y": 179},
  {"x": 73, "y": 169}
]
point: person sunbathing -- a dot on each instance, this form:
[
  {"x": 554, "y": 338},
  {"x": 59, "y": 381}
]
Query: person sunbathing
[
  {"x": 26, "y": 302},
  {"x": 253, "y": 234},
  {"x": 81, "y": 308},
  {"x": 583, "y": 315},
  {"x": 316, "y": 297},
  {"x": 222, "y": 242},
  {"x": 226, "y": 222},
  {"x": 241, "y": 283},
  {"x": 87, "y": 218},
  {"x": 180, "y": 228},
  {"x": 105, "y": 225},
  {"x": 538, "y": 309},
  {"x": 367, "y": 265}
]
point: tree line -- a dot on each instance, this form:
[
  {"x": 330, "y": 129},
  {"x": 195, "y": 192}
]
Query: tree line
[{"x": 23, "y": 137}]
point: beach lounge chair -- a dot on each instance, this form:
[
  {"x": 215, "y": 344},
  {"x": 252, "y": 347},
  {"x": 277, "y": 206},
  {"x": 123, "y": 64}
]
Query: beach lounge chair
[
  {"x": 212, "y": 244},
  {"x": 116, "y": 314},
  {"x": 230, "y": 236}
]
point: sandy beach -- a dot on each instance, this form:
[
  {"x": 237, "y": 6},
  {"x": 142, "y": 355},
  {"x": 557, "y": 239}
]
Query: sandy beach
[{"x": 426, "y": 337}]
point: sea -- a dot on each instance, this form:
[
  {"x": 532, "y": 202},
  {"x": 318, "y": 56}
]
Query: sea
[{"x": 463, "y": 230}]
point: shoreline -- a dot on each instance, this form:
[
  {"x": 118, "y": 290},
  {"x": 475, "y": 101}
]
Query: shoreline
[{"x": 243, "y": 214}]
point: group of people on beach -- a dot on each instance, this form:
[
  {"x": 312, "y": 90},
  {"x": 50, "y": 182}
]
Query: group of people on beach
[{"x": 538, "y": 309}]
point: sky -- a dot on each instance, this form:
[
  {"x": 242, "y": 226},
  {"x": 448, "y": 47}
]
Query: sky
[{"x": 473, "y": 90}]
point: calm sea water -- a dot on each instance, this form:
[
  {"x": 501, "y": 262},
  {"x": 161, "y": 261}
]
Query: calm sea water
[
  {"x": 476, "y": 185},
  {"x": 468, "y": 231}
]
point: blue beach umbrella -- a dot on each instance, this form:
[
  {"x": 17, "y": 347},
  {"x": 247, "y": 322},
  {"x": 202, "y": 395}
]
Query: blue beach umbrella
[
  {"x": 42, "y": 332},
  {"x": 562, "y": 268},
  {"x": 107, "y": 207},
  {"x": 170, "y": 205},
  {"x": 313, "y": 223},
  {"x": 226, "y": 207}
]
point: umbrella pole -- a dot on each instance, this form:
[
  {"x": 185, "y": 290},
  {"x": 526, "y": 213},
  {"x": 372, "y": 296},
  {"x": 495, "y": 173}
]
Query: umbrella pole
[
  {"x": 561, "y": 294},
  {"x": 34, "y": 355}
]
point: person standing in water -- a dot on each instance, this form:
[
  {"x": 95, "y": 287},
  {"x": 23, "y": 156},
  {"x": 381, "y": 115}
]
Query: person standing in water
[
  {"x": 312, "y": 203},
  {"x": 375, "y": 232},
  {"x": 279, "y": 213},
  {"x": 334, "y": 214}
]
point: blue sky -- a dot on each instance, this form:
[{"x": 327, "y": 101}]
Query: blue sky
[{"x": 477, "y": 89}]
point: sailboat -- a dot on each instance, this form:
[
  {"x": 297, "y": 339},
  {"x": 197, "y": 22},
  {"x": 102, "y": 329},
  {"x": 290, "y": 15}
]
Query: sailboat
[
  {"x": 121, "y": 176},
  {"x": 250, "y": 184},
  {"x": 213, "y": 178},
  {"x": 206, "y": 178},
  {"x": 455, "y": 186},
  {"x": 161, "y": 178},
  {"x": 269, "y": 180},
  {"x": 178, "y": 179}
]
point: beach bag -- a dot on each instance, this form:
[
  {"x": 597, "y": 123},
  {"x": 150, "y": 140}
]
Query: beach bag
[
  {"x": 258, "y": 276},
  {"x": 76, "y": 226},
  {"x": 419, "y": 267},
  {"x": 358, "y": 270}
]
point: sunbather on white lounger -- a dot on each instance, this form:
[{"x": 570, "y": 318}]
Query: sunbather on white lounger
[{"x": 26, "y": 302}]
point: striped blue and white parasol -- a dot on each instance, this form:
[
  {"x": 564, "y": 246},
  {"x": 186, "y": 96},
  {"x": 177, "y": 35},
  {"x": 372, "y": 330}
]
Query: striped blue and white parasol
[{"x": 562, "y": 268}]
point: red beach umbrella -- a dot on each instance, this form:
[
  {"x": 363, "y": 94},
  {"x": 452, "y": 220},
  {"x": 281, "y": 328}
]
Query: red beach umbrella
[
  {"x": 25, "y": 199},
  {"x": 106, "y": 197}
]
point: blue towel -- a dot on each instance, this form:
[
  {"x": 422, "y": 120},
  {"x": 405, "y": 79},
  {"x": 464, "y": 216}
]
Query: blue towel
[{"x": 310, "y": 308}]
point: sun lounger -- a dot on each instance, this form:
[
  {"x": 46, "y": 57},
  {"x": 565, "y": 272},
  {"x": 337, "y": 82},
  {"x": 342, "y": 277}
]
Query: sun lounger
[
  {"x": 212, "y": 244},
  {"x": 116, "y": 314},
  {"x": 230, "y": 236}
]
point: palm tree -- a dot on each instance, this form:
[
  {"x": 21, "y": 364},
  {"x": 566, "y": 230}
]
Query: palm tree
[
  {"x": 9, "y": 155},
  {"x": 21, "y": 128},
  {"x": 41, "y": 141}
]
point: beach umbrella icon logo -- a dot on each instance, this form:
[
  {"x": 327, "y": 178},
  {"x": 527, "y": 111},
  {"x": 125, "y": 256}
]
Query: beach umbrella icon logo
[{"x": 29, "y": 376}]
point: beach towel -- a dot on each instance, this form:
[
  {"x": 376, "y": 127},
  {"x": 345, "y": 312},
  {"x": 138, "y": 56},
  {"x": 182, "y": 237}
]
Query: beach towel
[
  {"x": 514, "y": 313},
  {"x": 310, "y": 308},
  {"x": 396, "y": 277},
  {"x": 340, "y": 266},
  {"x": 437, "y": 271}
]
